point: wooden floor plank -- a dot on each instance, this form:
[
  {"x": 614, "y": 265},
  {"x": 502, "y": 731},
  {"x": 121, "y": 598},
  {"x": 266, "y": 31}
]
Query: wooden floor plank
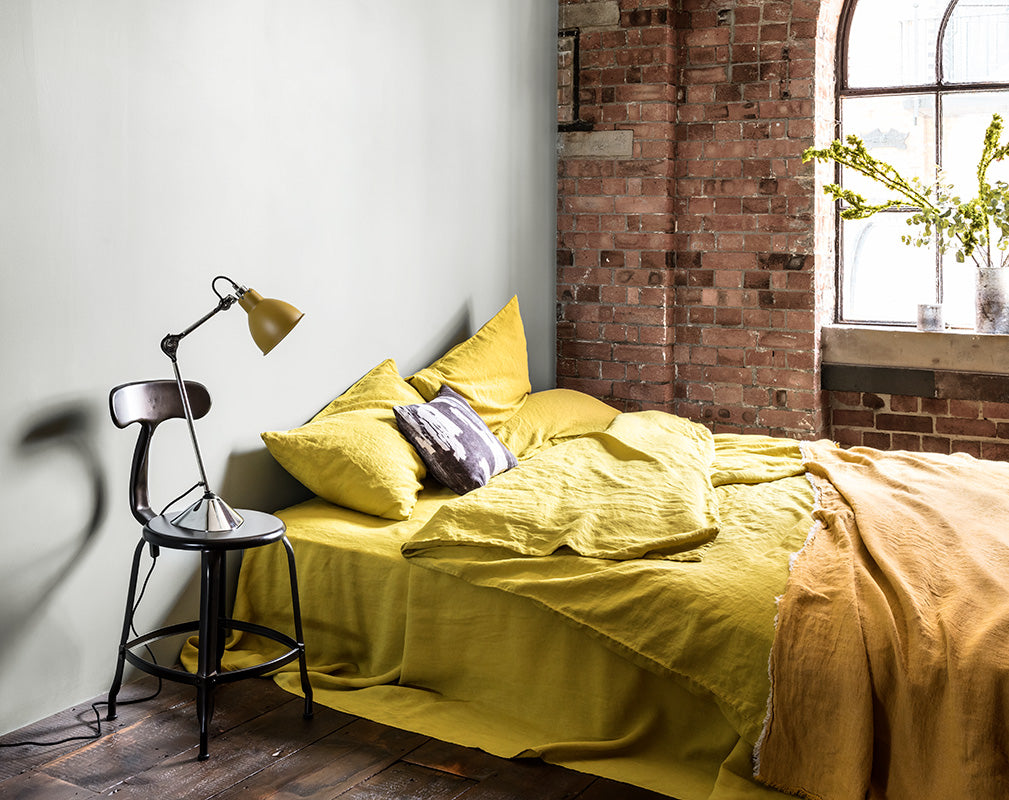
[
  {"x": 79, "y": 720},
  {"x": 39, "y": 786},
  {"x": 329, "y": 766},
  {"x": 465, "y": 761},
  {"x": 263, "y": 749},
  {"x": 403, "y": 780},
  {"x": 236, "y": 755},
  {"x": 136, "y": 747},
  {"x": 501, "y": 777},
  {"x": 602, "y": 789}
]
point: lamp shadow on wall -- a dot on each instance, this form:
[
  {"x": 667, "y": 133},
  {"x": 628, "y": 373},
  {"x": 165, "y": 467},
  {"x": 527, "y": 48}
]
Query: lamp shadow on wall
[{"x": 61, "y": 430}]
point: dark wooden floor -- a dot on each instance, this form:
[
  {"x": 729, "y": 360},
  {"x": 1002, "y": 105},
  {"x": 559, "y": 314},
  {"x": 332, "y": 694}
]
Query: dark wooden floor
[{"x": 261, "y": 747}]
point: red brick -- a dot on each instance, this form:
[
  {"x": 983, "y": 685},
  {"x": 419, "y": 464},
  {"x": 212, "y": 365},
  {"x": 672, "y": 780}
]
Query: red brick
[
  {"x": 846, "y": 398},
  {"x": 935, "y": 406},
  {"x": 847, "y": 437},
  {"x": 966, "y": 446},
  {"x": 714, "y": 178},
  {"x": 995, "y": 410},
  {"x": 906, "y": 441},
  {"x": 907, "y": 423},
  {"x": 996, "y": 451},
  {"x": 903, "y": 404},
  {"x": 850, "y": 418},
  {"x": 935, "y": 444},
  {"x": 965, "y": 427},
  {"x": 881, "y": 441},
  {"x": 786, "y": 420},
  {"x": 965, "y": 409}
]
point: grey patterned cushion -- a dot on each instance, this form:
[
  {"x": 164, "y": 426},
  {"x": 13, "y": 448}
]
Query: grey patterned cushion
[{"x": 455, "y": 444}]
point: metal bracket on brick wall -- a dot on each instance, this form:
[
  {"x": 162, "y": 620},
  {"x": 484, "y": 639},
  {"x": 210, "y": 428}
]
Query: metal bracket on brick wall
[{"x": 568, "y": 82}]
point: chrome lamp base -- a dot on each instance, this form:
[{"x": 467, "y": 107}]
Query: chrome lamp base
[{"x": 209, "y": 513}]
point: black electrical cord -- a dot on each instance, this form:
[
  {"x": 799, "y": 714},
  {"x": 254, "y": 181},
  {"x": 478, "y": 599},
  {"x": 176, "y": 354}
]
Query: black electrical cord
[{"x": 94, "y": 706}]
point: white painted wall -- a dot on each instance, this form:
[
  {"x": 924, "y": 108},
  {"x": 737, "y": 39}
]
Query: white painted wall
[{"x": 387, "y": 167}]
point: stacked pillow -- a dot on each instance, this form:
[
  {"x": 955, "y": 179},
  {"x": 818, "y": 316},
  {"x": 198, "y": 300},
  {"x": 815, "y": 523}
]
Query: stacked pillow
[
  {"x": 456, "y": 445},
  {"x": 490, "y": 370},
  {"x": 352, "y": 454},
  {"x": 552, "y": 416},
  {"x": 370, "y": 448}
]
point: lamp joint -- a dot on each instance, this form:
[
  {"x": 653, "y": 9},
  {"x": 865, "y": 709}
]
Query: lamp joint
[{"x": 170, "y": 345}]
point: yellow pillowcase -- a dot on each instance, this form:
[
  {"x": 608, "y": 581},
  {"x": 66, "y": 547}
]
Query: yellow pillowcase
[
  {"x": 551, "y": 416},
  {"x": 352, "y": 453},
  {"x": 490, "y": 369},
  {"x": 382, "y": 387}
]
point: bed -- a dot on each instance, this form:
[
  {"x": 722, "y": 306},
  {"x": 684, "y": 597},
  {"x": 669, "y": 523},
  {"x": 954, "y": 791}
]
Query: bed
[{"x": 631, "y": 596}]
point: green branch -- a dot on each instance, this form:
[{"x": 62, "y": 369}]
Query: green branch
[{"x": 938, "y": 211}]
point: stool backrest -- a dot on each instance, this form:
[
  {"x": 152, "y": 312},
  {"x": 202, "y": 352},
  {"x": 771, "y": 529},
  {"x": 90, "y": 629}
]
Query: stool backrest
[{"x": 150, "y": 403}]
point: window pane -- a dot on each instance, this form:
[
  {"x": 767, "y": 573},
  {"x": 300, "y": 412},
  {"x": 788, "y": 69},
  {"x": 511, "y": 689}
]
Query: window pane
[
  {"x": 965, "y": 118},
  {"x": 884, "y": 279},
  {"x": 892, "y": 42},
  {"x": 976, "y": 45},
  {"x": 899, "y": 130},
  {"x": 958, "y": 292}
]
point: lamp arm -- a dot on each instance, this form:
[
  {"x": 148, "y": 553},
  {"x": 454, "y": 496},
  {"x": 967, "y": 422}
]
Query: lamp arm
[
  {"x": 170, "y": 347},
  {"x": 192, "y": 428},
  {"x": 170, "y": 344}
]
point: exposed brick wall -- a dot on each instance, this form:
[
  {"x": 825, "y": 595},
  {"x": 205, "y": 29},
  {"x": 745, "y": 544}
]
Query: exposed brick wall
[
  {"x": 902, "y": 422},
  {"x": 745, "y": 338},
  {"x": 615, "y": 216},
  {"x": 686, "y": 270}
]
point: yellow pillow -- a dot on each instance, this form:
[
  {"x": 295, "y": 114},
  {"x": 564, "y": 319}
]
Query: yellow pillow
[
  {"x": 382, "y": 387},
  {"x": 352, "y": 453},
  {"x": 551, "y": 416},
  {"x": 490, "y": 369}
]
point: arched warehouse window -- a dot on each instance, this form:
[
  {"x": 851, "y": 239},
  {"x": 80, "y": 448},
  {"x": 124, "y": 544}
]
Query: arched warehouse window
[{"x": 918, "y": 82}]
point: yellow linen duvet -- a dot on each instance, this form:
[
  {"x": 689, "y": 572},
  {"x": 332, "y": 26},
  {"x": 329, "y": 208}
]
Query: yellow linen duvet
[
  {"x": 708, "y": 620},
  {"x": 640, "y": 488},
  {"x": 651, "y": 671}
]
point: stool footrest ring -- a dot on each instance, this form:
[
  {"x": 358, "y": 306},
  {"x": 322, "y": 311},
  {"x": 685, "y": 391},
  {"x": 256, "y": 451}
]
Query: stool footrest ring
[{"x": 294, "y": 649}]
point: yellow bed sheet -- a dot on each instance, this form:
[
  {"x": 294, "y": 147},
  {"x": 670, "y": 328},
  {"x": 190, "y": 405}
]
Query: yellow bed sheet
[{"x": 421, "y": 649}]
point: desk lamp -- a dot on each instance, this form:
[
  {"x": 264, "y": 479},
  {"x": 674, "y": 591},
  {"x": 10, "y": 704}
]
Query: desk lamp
[{"x": 270, "y": 321}]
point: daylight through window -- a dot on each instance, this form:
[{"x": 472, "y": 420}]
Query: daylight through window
[{"x": 918, "y": 81}]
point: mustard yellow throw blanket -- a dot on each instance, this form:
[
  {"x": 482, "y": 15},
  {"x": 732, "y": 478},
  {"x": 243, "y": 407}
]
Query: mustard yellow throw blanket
[{"x": 890, "y": 666}]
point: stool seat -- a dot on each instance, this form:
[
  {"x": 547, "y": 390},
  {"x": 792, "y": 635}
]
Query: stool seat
[{"x": 258, "y": 529}]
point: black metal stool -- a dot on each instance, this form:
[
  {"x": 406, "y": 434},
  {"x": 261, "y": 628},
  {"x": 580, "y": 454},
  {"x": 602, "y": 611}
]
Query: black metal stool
[{"x": 150, "y": 403}]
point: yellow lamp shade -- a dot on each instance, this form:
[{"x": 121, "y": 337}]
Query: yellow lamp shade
[{"x": 270, "y": 320}]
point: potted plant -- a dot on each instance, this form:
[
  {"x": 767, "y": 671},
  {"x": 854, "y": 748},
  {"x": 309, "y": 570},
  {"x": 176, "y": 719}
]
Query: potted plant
[{"x": 976, "y": 229}]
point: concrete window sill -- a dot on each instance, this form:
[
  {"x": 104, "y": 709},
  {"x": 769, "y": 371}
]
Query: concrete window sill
[
  {"x": 961, "y": 351},
  {"x": 906, "y": 361}
]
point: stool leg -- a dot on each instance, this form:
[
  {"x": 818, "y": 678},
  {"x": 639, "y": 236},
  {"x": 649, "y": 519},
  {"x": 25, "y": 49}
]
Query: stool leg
[
  {"x": 117, "y": 681},
  {"x": 222, "y": 584},
  {"x": 207, "y": 652},
  {"x": 306, "y": 685}
]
